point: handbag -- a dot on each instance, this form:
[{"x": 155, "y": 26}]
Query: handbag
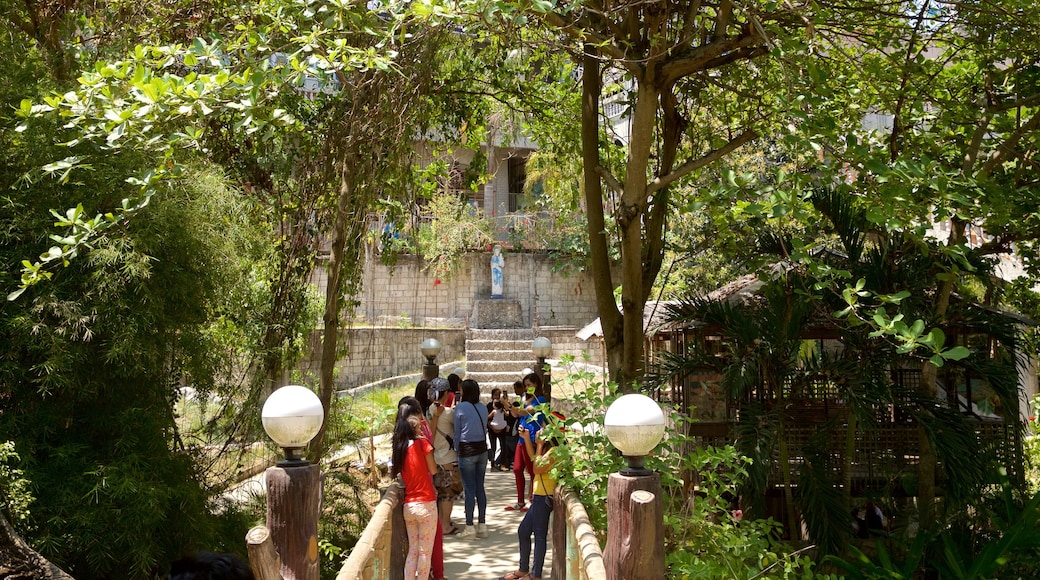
[
  {"x": 471, "y": 448},
  {"x": 448, "y": 482}
]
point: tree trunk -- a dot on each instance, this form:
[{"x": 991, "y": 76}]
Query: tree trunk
[
  {"x": 263, "y": 557},
  {"x": 16, "y": 557},
  {"x": 926, "y": 489},
  {"x": 331, "y": 317},
  {"x": 599, "y": 252},
  {"x": 630, "y": 217}
]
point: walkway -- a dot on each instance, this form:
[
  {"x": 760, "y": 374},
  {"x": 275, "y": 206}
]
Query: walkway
[{"x": 498, "y": 554}]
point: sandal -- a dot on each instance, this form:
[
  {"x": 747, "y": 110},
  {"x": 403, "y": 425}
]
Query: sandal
[
  {"x": 518, "y": 575},
  {"x": 454, "y": 530},
  {"x": 517, "y": 507}
]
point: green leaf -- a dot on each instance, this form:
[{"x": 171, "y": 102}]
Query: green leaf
[{"x": 956, "y": 353}]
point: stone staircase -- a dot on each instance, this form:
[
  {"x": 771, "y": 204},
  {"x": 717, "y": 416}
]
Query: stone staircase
[{"x": 495, "y": 357}]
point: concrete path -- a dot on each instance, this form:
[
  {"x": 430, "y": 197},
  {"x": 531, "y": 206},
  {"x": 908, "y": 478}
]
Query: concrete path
[{"x": 499, "y": 553}]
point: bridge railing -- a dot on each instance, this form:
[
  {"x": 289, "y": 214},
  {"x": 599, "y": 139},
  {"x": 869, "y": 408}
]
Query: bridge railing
[
  {"x": 576, "y": 551},
  {"x": 380, "y": 552}
]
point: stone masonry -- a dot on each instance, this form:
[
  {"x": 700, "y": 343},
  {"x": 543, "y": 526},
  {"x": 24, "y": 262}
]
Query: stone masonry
[{"x": 402, "y": 305}]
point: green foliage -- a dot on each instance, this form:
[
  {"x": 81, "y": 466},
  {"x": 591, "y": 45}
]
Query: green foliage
[
  {"x": 344, "y": 515},
  {"x": 1002, "y": 540},
  {"x": 117, "y": 491},
  {"x": 1031, "y": 446},
  {"x": 15, "y": 491},
  {"x": 705, "y": 536},
  {"x": 454, "y": 229}
]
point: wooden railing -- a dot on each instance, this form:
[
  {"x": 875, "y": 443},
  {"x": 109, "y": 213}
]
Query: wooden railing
[
  {"x": 576, "y": 551},
  {"x": 380, "y": 552}
]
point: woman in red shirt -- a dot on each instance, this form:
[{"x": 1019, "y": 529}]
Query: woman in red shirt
[{"x": 412, "y": 458}]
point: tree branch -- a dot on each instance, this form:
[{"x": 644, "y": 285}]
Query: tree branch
[
  {"x": 700, "y": 162},
  {"x": 1006, "y": 150}
]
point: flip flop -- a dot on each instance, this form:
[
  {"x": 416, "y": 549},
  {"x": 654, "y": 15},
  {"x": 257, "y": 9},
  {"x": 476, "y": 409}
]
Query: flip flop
[
  {"x": 513, "y": 576},
  {"x": 516, "y": 507},
  {"x": 454, "y": 530}
]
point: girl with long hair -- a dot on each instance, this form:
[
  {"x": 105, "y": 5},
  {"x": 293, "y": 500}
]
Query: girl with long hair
[
  {"x": 536, "y": 520},
  {"x": 412, "y": 457},
  {"x": 437, "y": 563}
]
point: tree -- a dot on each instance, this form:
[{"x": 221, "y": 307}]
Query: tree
[
  {"x": 956, "y": 89},
  {"x": 663, "y": 62}
]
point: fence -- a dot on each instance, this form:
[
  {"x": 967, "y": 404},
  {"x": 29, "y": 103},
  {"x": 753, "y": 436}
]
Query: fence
[{"x": 380, "y": 552}]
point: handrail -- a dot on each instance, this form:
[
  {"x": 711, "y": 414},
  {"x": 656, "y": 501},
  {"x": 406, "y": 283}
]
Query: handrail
[
  {"x": 576, "y": 551},
  {"x": 373, "y": 556}
]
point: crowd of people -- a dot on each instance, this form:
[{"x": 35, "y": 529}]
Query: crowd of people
[{"x": 444, "y": 441}]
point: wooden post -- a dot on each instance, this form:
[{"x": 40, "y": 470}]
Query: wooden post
[
  {"x": 398, "y": 541},
  {"x": 293, "y": 502},
  {"x": 263, "y": 558},
  {"x": 559, "y": 535},
  {"x": 635, "y": 528}
]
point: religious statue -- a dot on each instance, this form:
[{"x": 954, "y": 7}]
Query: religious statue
[{"x": 497, "y": 265}]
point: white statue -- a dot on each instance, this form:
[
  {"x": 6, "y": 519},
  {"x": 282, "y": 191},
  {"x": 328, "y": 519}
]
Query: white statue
[{"x": 497, "y": 265}]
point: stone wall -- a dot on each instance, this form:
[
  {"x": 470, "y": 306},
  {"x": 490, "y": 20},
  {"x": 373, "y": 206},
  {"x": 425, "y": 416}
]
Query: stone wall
[
  {"x": 405, "y": 305},
  {"x": 407, "y": 295},
  {"x": 373, "y": 354}
]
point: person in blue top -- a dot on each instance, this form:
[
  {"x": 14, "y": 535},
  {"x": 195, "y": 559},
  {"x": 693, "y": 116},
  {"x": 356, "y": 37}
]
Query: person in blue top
[
  {"x": 531, "y": 419},
  {"x": 470, "y": 434}
]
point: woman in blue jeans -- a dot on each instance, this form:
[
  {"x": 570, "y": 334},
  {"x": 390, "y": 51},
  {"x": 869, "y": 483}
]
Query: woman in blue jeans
[
  {"x": 536, "y": 521},
  {"x": 471, "y": 447}
]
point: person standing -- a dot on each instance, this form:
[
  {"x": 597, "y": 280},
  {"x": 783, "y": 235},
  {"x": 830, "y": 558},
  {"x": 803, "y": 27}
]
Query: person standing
[
  {"x": 447, "y": 481},
  {"x": 509, "y": 437},
  {"x": 494, "y": 433},
  {"x": 437, "y": 559},
  {"x": 536, "y": 520},
  {"x": 412, "y": 460},
  {"x": 471, "y": 447},
  {"x": 530, "y": 419}
]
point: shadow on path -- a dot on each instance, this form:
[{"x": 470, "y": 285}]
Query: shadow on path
[{"x": 499, "y": 553}]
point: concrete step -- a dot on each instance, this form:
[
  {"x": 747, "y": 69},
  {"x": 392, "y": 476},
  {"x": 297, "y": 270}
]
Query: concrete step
[
  {"x": 500, "y": 377},
  {"x": 500, "y": 334},
  {"x": 491, "y": 366},
  {"x": 499, "y": 355},
  {"x": 497, "y": 344}
]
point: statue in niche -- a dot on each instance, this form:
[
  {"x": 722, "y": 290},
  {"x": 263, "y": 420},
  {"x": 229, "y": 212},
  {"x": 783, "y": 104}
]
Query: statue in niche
[{"x": 497, "y": 272}]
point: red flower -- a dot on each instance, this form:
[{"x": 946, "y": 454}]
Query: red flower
[{"x": 437, "y": 282}]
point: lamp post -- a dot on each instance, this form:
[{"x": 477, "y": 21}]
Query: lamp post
[
  {"x": 292, "y": 416},
  {"x": 430, "y": 347},
  {"x": 542, "y": 348},
  {"x": 634, "y": 424}
]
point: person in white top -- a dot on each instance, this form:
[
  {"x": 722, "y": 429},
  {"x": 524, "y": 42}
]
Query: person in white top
[
  {"x": 496, "y": 422},
  {"x": 447, "y": 480}
]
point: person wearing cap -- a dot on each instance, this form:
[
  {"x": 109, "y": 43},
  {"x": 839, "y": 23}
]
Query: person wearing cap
[{"x": 447, "y": 480}]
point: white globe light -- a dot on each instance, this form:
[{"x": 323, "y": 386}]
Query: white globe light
[
  {"x": 292, "y": 416},
  {"x": 541, "y": 347},
  {"x": 430, "y": 348},
  {"x": 525, "y": 371},
  {"x": 461, "y": 372},
  {"x": 634, "y": 423}
]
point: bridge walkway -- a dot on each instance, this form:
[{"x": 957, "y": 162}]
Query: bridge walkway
[{"x": 498, "y": 554}]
